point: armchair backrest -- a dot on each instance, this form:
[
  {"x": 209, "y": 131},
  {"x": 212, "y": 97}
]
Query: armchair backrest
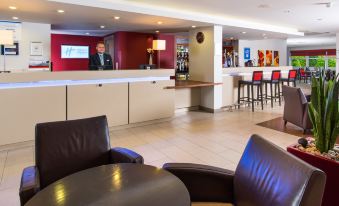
[
  {"x": 267, "y": 175},
  {"x": 65, "y": 147},
  {"x": 295, "y": 105}
]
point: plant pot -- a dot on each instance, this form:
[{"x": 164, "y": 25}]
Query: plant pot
[{"x": 330, "y": 167}]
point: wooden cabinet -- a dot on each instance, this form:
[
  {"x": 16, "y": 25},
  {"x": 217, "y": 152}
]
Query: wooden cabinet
[
  {"x": 150, "y": 100},
  {"x": 22, "y": 108},
  {"x": 99, "y": 99}
]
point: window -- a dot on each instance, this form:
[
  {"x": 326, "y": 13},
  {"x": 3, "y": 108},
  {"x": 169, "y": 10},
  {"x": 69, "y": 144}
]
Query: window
[
  {"x": 317, "y": 61},
  {"x": 332, "y": 62},
  {"x": 298, "y": 61}
]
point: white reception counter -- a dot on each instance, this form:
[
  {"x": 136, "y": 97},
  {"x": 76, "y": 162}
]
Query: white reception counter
[{"x": 124, "y": 96}]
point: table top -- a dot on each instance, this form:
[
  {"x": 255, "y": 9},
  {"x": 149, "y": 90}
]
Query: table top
[
  {"x": 116, "y": 184},
  {"x": 181, "y": 84}
]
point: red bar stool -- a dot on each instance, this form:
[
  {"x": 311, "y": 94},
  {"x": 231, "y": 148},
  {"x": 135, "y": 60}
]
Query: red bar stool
[
  {"x": 292, "y": 77},
  {"x": 275, "y": 80},
  {"x": 257, "y": 78}
]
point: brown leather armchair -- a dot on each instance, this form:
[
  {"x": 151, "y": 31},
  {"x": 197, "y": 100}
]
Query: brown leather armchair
[
  {"x": 63, "y": 148},
  {"x": 266, "y": 175},
  {"x": 296, "y": 108}
]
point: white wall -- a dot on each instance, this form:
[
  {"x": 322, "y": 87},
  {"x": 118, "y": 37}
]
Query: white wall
[
  {"x": 206, "y": 64},
  {"x": 267, "y": 44},
  {"x": 30, "y": 32}
]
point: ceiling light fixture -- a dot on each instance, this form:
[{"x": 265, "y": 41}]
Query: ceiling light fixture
[
  {"x": 320, "y": 19},
  {"x": 264, "y": 34},
  {"x": 87, "y": 33},
  {"x": 117, "y": 17},
  {"x": 159, "y": 22},
  {"x": 15, "y": 18},
  {"x": 102, "y": 26},
  {"x": 243, "y": 32},
  {"x": 60, "y": 11},
  {"x": 194, "y": 26},
  {"x": 157, "y": 31},
  {"x": 12, "y": 7},
  {"x": 287, "y": 11}
]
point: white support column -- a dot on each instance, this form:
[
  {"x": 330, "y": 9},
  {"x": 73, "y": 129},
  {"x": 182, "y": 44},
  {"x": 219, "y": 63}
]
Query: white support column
[{"x": 206, "y": 64}]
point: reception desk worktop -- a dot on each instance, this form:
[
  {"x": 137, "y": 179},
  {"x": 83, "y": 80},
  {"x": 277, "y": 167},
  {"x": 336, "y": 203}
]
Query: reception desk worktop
[{"x": 124, "y": 96}]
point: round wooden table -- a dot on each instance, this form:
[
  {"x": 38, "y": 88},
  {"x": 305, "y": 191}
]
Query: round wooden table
[{"x": 118, "y": 185}]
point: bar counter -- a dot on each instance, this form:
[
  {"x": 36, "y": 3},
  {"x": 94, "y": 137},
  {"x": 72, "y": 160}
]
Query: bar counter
[
  {"x": 232, "y": 75},
  {"x": 124, "y": 96}
]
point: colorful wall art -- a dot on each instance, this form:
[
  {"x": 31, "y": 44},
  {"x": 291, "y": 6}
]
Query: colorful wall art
[
  {"x": 261, "y": 58},
  {"x": 269, "y": 58},
  {"x": 276, "y": 58}
]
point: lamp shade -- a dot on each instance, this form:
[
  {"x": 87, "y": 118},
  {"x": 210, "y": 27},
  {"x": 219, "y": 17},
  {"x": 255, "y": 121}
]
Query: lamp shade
[
  {"x": 159, "y": 44},
  {"x": 6, "y": 37}
]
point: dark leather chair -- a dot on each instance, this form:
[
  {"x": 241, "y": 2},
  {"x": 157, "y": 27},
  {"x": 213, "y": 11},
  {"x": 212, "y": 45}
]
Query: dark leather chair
[
  {"x": 66, "y": 147},
  {"x": 266, "y": 175},
  {"x": 296, "y": 108}
]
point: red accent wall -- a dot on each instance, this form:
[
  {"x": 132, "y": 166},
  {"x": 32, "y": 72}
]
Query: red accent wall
[
  {"x": 71, "y": 64},
  {"x": 130, "y": 50},
  {"x": 317, "y": 52}
]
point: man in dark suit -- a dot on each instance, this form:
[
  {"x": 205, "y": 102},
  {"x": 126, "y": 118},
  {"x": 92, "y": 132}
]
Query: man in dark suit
[{"x": 100, "y": 60}]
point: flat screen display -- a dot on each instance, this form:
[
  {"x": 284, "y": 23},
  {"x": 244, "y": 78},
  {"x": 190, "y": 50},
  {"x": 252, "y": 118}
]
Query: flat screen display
[{"x": 74, "y": 52}]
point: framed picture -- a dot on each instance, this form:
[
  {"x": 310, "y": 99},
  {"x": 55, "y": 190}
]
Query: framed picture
[
  {"x": 261, "y": 58},
  {"x": 10, "y": 49},
  {"x": 269, "y": 58},
  {"x": 37, "y": 49},
  {"x": 276, "y": 58}
]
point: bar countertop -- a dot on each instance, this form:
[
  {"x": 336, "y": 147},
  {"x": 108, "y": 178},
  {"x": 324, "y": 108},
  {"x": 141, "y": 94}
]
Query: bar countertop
[{"x": 182, "y": 84}]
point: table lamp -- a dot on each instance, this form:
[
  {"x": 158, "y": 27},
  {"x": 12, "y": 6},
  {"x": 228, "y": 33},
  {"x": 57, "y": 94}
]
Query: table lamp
[
  {"x": 6, "y": 38},
  {"x": 159, "y": 45}
]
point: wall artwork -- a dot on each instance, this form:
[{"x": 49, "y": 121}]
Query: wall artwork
[
  {"x": 37, "y": 49},
  {"x": 276, "y": 58},
  {"x": 269, "y": 58},
  {"x": 261, "y": 58}
]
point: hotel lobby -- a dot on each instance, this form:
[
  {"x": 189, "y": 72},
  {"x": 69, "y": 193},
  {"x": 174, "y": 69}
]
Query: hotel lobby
[{"x": 142, "y": 103}]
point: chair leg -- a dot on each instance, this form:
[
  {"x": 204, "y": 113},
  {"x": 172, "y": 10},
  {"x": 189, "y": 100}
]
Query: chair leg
[
  {"x": 266, "y": 92},
  {"x": 271, "y": 87},
  {"x": 295, "y": 83},
  {"x": 252, "y": 93},
  {"x": 239, "y": 88},
  {"x": 279, "y": 96},
  {"x": 248, "y": 95},
  {"x": 261, "y": 99}
]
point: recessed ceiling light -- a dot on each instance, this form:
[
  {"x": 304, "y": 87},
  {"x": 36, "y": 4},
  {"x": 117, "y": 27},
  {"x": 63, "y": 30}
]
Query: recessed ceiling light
[
  {"x": 194, "y": 26},
  {"x": 117, "y": 17},
  {"x": 243, "y": 32},
  {"x": 320, "y": 19},
  {"x": 12, "y": 7},
  {"x": 264, "y": 34},
  {"x": 287, "y": 11},
  {"x": 15, "y": 18},
  {"x": 87, "y": 33},
  {"x": 60, "y": 11},
  {"x": 264, "y": 6},
  {"x": 102, "y": 26},
  {"x": 157, "y": 31},
  {"x": 159, "y": 22}
]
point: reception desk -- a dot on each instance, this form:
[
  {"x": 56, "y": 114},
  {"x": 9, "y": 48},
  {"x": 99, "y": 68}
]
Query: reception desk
[
  {"x": 231, "y": 76},
  {"x": 124, "y": 96}
]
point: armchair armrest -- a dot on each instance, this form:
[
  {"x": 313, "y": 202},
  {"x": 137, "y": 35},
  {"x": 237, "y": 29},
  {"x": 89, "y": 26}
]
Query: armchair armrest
[
  {"x": 123, "y": 155},
  {"x": 29, "y": 185},
  {"x": 204, "y": 183}
]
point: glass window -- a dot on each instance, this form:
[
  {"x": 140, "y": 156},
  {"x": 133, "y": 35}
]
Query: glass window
[
  {"x": 317, "y": 61},
  {"x": 332, "y": 62},
  {"x": 298, "y": 61}
]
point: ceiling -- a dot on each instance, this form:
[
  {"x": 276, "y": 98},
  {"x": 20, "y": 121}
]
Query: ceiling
[{"x": 258, "y": 18}]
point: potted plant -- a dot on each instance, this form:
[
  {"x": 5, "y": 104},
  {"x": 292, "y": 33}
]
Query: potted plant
[{"x": 320, "y": 151}]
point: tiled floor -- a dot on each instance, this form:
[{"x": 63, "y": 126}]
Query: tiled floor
[{"x": 198, "y": 137}]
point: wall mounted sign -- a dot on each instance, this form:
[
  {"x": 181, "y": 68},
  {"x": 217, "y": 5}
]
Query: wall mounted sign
[
  {"x": 13, "y": 26},
  {"x": 247, "y": 53},
  {"x": 10, "y": 49},
  {"x": 200, "y": 37},
  {"x": 37, "y": 49}
]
